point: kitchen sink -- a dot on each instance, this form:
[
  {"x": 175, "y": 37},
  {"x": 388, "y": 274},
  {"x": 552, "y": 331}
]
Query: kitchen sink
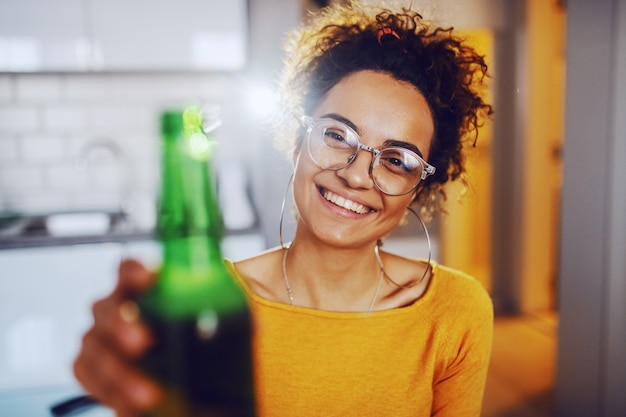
[
  {"x": 60, "y": 224},
  {"x": 19, "y": 230}
]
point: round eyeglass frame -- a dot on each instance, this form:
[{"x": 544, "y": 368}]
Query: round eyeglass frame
[{"x": 310, "y": 122}]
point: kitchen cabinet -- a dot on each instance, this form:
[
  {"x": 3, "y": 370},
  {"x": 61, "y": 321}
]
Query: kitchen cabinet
[
  {"x": 43, "y": 35},
  {"x": 117, "y": 35},
  {"x": 46, "y": 295},
  {"x": 45, "y": 299}
]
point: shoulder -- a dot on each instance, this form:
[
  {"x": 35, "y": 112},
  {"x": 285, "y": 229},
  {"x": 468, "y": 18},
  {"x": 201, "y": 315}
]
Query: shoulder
[
  {"x": 260, "y": 273},
  {"x": 462, "y": 312},
  {"x": 460, "y": 292},
  {"x": 454, "y": 280}
]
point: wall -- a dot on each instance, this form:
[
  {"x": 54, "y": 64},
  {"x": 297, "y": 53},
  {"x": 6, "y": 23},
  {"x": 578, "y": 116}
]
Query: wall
[
  {"x": 474, "y": 14},
  {"x": 528, "y": 134},
  {"x": 46, "y": 120},
  {"x": 541, "y": 154},
  {"x": 466, "y": 225},
  {"x": 592, "y": 337}
]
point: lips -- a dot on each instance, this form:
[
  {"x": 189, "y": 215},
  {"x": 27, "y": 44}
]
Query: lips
[{"x": 337, "y": 200}]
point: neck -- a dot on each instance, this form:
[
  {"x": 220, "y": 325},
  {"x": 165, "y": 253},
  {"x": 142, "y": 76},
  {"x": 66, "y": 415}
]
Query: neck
[{"x": 331, "y": 278}]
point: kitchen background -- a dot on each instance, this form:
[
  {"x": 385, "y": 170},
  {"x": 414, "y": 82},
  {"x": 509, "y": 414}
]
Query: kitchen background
[{"x": 82, "y": 83}]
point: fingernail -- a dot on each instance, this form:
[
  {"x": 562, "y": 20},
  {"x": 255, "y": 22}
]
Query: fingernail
[{"x": 129, "y": 311}]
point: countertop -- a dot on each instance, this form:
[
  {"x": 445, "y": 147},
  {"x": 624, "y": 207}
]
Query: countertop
[
  {"x": 45, "y": 240},
  {"x": 62, "y": 229},
  {"x": 35, "y": 231},
  {"x": 36, "y": 402}
]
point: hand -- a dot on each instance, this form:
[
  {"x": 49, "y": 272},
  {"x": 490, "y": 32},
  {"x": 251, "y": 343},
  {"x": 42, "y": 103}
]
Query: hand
[{"x": 106, "y": 364}]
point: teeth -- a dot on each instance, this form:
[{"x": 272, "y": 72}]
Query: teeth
[{"x": 347, "y": 204}]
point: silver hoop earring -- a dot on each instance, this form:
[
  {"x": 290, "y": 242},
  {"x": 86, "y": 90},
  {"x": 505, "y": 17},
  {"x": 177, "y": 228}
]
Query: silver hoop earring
[
  {"x": 428, "y": 266},
  {"x": 282, "y": 214}
]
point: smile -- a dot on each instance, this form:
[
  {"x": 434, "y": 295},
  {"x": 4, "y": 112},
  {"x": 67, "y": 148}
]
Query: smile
[{"x": 346, "y": 204}]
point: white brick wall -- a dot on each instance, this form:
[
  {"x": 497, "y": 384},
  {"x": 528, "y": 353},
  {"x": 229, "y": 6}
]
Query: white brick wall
[
  {"x": 18, "y": 178},
  {"x": 48, "y": 120},
  {"x": 38, "y": 89},
  {"x": 66, "y": 177},
  {"x": 42, "y": 147},
  {"x": 19, "y": 119},
  {"x": 68, "y": 118},
  {"x": 87, "y": 88},
  {"x": 8, "y": 149},
  {"x": 6, "y": 89}
]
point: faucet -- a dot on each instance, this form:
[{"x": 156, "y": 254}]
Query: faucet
[{"x": 125, "y": 204}]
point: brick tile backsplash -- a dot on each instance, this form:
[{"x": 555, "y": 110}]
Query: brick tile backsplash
[
  {"x": 64, "y": 177},
  {"x": 87, "y": 88},
  {"x": 16, "y": 119},
  {"x": 146, "y": 176},
  {"x": 38, "y": 88},
  {"x": 95, "y": 200},
  {"x": 140, "y": 146},
  {"x": 108, "y": 177},
  {"x": 123, "y": 117},
  {"x": 152, "y": 88},
  {"x": 8, "y": 149},
  {"x": 38, "y": 202},
  {"x": 65, "y": 118},
  {"x": 6, "y": 88},
  {"x": 42, "y": 148},
  {"x": 21, "y": 178},
  {"x": 48, "y": 120}
]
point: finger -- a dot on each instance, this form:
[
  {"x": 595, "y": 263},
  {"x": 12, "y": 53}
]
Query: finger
[
  {"x": 114, "y": 381},
  {"x": 117, "y": 324},
  {"x": 127, "y": 413},
  {"x": 134, "y": 278}
]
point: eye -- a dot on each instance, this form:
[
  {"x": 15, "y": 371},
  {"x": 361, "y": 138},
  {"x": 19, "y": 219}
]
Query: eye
[
  {"x": 400, "y": 162},
  {"x": 333, "y": 135},
  {"x": 339, "y": 138}
]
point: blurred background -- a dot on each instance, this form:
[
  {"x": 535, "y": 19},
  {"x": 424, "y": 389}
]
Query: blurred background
[{"x": 541, "y": 225}]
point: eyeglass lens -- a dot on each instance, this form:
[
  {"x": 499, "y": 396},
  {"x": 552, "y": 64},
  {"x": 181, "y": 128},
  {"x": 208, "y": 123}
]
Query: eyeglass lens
[{"x": 333, "y": 145}]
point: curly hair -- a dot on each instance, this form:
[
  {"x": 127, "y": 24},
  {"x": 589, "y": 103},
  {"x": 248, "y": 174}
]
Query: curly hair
[{"x": 342, "y": 39}]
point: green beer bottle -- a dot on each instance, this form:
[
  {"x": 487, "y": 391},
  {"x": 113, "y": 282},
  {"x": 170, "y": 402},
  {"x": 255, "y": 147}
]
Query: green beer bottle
[{"x": 197, "y": 313}]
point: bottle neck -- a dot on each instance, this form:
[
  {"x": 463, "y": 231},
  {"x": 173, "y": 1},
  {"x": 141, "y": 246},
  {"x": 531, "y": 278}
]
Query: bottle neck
[
  {"x": 188, "y": 202},
  {"x": 193, "y": 276}
]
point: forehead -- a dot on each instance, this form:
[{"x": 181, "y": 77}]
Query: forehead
[{"x": 381, "y": 108}]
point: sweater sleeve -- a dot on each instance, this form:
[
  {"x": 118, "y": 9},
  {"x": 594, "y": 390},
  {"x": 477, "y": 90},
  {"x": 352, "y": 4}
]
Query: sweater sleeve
[{"x": 459, "y": 388}]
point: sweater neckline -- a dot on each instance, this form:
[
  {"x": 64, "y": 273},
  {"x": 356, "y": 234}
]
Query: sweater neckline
[{"x": 424, "y": 299}]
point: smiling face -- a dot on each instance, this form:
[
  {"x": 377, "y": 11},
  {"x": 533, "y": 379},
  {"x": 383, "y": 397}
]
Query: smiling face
[{"x": 344, "y": 207}]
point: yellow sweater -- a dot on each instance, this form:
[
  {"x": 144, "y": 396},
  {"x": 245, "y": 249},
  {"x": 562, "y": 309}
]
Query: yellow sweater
[{"x": 426, "y": 359}]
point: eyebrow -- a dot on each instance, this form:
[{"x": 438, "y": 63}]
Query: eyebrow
[
  {"x": 389, "y": 142},
  {"x": 341, "y": 119},
  {"x": 403, "y": 144}
]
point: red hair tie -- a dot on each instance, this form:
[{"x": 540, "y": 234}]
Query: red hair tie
[{"x": 386, "y": 31}]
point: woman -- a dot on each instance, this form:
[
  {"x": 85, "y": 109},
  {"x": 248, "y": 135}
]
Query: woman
[{"x": 343, "y": 327}]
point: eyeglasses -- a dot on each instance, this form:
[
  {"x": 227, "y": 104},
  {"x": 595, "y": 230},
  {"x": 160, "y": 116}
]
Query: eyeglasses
[{"x": 333, "y": 145}]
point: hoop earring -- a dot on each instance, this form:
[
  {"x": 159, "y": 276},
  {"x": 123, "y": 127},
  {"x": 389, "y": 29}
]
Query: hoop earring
[
  {"x": 282, "y": 214},
  {"x": 428, "y": 266}
]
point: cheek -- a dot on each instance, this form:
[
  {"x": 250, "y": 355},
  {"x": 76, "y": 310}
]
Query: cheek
[
  {"x": 303, "y": 180},
  {"x": 397, "y": 208}
]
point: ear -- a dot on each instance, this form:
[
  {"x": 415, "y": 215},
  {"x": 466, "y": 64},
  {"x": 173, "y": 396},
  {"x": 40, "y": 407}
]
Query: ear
[
  {"x": 416, "y": 192},
  {"x": 295, "y": 157}
]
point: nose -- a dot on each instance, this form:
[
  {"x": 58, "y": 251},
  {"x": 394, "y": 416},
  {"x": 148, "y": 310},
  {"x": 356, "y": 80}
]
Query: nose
[{"x": 357, "y": 173}]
